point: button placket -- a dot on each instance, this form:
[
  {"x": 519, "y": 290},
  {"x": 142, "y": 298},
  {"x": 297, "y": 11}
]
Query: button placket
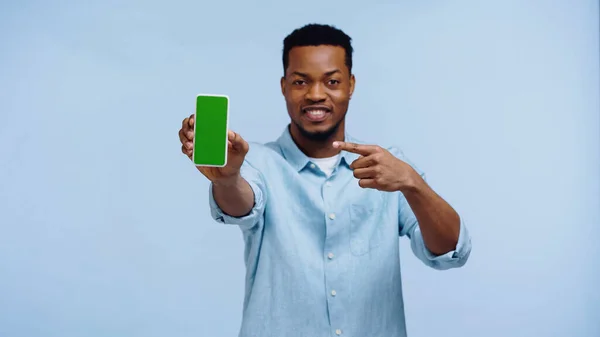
[{"x": 331, "y": 264}]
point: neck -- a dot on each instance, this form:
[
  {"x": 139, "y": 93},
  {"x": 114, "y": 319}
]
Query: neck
[{"x": 322, "y": 148}]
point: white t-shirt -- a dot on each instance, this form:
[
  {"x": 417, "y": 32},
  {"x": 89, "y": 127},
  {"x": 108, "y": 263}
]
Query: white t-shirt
[{"x": 326, "y": 165}]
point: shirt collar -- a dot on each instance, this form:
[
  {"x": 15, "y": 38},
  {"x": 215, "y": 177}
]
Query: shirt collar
[{"x": 299, "y": 160}]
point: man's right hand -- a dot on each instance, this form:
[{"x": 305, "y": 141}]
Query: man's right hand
[{"x": 236, "y": 152}]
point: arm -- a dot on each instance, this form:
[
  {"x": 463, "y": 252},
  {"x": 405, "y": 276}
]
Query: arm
[
  {"x": 438, "y": 221},
  {"x": 241, "y": 201},
  {"x": 234, "y": 197},
  {"x": 438, "y": 235}
]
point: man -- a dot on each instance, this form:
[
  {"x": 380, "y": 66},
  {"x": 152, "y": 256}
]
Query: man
[{"x": 321, "y": 212}]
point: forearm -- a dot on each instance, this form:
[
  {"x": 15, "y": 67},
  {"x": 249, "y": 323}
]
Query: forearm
[
  {"x": 438, "y": 221},
  {"x": 234, "y": 197}
]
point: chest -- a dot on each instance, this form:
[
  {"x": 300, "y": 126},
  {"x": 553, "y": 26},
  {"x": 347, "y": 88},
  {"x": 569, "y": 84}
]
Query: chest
[
  {"x": 313, "y": 198},
  {"x": 316, "y": 210}
]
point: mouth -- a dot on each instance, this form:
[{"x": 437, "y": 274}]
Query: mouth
[{"x": 316, "y": 113}]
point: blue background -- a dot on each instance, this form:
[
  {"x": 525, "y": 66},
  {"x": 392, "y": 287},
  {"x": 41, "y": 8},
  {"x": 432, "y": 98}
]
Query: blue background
[{"x": 104, "y": 224}]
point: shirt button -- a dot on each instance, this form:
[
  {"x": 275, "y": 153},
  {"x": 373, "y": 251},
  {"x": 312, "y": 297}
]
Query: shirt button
[
  {"x": 333, "y": 293},
  {"x": 332, "y": 216},
  {"x": 338, "y": 332},
  {"x": 312, "y": 166},
  {"x": 328, "y": 184},
  {"x": 330, "y": 256}
]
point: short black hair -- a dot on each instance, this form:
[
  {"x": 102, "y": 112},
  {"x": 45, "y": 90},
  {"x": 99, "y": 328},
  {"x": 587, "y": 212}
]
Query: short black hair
[{"x": 317, "y": 35}]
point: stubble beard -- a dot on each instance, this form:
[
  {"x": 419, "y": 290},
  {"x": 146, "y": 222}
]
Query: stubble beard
[{"x": 319, "y": 136}]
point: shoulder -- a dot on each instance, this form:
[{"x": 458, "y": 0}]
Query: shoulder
[
  {"x": 263, "y": 155},
  {"x": 399, "y": 153},
  {"x": 262, "y": 151}
]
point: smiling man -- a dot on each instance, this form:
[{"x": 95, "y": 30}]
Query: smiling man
[{"x": 321, "y": 212}]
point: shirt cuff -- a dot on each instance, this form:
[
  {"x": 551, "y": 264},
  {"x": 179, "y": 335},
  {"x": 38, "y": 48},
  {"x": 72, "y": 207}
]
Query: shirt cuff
[{"x": 452, "y": 259}]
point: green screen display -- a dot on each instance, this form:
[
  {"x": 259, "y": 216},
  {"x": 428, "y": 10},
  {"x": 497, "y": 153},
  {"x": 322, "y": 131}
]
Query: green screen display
[{"x": 210, "y": 130}]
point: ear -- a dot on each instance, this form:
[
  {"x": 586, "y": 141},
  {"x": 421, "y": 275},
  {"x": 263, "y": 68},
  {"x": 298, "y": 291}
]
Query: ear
[
  {"x": 282, "y": 83},
  {"x": 352, "y": 84}
]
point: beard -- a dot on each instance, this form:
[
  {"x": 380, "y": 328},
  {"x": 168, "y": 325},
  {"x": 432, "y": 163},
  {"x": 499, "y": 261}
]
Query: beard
[{"x": 319, "y": 136}]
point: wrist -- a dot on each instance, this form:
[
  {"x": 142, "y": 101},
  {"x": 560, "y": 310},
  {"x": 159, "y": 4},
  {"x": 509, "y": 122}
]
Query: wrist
[
  {"x": 228, "y": 181},
  {"x": 414, "y": 184}
]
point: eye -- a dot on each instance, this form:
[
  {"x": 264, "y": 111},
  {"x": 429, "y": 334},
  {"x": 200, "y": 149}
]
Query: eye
[
  {"x": 298, "y": 82},
  {"x": 333, "y": 82}
]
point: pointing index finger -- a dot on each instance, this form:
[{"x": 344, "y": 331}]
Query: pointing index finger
[{"x": 363, "y": 150}]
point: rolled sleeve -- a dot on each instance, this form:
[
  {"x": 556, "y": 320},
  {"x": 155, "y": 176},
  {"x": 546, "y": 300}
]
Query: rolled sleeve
[
  {"x": 250, "y": 220},
  {"x": 452, "y": 259},
  {"x": 409, "y": 226}
]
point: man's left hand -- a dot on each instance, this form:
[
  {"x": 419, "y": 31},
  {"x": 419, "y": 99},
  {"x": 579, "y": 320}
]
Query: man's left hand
[{"x": 377, "y": 168}]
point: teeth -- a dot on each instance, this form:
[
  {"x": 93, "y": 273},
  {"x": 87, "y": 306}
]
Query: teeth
[{"x": 316, "y": 113}]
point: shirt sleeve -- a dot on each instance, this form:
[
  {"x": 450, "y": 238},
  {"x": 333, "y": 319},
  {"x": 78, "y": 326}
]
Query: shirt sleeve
[
  {"x": 409, "y": 226},
  {"x": 452, "y": 259},
  {"x": 257, "y": 182}
]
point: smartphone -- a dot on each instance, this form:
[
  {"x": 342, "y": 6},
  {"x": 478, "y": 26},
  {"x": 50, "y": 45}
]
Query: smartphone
[{"x": 210, "y": 130}]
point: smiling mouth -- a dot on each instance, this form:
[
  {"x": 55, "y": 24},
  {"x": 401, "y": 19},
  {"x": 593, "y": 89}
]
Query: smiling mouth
[{"x": 317, "y": 113}]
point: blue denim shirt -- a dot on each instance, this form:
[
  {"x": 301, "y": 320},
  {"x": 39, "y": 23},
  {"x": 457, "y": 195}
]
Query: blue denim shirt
[{"x": 322, "y": 253}]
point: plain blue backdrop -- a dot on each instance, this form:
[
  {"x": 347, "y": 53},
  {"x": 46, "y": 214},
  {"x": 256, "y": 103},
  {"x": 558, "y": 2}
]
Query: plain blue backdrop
[{"x": 104, "y": 224}]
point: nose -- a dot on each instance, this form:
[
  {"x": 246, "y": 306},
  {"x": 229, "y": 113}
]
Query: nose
[{"x": 316, "y": 93}]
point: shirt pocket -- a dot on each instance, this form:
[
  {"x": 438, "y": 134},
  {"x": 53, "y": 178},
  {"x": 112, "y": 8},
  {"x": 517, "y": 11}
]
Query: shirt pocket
[{"x": 366, "y": 228}]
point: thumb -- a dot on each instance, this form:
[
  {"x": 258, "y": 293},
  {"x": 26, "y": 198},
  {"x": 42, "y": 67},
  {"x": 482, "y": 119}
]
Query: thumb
[{"x": 237, "y": 142}]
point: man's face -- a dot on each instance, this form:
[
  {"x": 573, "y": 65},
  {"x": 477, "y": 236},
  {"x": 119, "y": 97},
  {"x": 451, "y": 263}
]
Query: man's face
[{"x": 317, "y": 87}]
